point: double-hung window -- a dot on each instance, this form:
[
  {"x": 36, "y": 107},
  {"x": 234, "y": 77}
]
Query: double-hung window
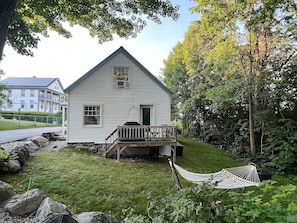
[
  {"x": 92, "y": 115},
  {"x": 121, "y": 77}
]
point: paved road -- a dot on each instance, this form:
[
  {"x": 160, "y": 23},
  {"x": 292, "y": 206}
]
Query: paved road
[{"x": 19, "y": 134}]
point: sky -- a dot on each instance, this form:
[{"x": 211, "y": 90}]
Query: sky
[{"x": 69, "y": 59}]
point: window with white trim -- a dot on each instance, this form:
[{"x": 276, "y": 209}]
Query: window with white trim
[
  {"x": 92, "y": 115},
  {"x": 22, "y": 104},
  {"x": 121, "y": 77},
  {"x": 31, "y": 104}
]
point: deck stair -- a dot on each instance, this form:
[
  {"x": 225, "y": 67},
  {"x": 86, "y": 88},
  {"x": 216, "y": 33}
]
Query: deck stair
[{"x": 139, "y": 136}]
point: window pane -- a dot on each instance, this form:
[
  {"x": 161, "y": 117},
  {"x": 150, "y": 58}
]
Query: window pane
[
  {"x": 121, "y": 74},
  {"x": 92, "y": 115}
]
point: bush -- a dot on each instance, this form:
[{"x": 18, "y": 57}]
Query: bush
[
  {"x": 272, "y": 204},
  {"x": 3, "y": 159},
  {"x": 205, "y": 204},
  {"x": 194, "y": 204}
]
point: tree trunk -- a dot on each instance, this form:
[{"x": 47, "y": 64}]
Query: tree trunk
[
  {"x": 7, "y": 8},
  {"x": 252, "y": 124}
]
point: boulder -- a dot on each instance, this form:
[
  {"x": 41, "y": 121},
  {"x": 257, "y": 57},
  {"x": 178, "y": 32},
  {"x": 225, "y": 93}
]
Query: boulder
[
  {"x": 24, "y": 204},
  {"x": 40, "y": 141},
  {"x": 30, "y": 146},
  {"x": 6, "y": 191},
  {"x": 21, "y": 157},
  {"x": 21, "y": 147},
  {"x": 94, "y": 217},
  {"x": 13, "y": 165},
  {"x": 48, "y": 207},
  {"x": 59, "y": 218}
]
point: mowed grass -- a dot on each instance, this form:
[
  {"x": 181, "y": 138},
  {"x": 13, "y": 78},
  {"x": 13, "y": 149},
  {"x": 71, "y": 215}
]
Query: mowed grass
[
  {"x": 7, "y": 124},
  {"x": 86, "y": 182}
]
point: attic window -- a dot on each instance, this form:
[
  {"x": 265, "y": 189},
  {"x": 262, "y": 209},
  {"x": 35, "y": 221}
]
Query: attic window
[
  {"x": 92, "y": 115},
  {"x": 121, "y": 77}
]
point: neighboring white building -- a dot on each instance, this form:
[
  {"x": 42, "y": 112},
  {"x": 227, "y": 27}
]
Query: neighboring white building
[
  {"x": 116, "y": 91},
  {"x": 33, "y": 94}
]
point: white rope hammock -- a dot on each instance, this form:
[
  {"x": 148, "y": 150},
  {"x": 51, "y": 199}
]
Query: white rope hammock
[{"x": 228, "y": 178}]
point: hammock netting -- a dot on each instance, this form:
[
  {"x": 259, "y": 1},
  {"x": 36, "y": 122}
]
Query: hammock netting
[{"x": 228, "y": 178}]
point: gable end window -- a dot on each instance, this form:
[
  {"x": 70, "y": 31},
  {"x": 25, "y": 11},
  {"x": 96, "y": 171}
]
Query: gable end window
[
  {"x": 92, "y": 115},
  {"x": 121, "y": 77}
]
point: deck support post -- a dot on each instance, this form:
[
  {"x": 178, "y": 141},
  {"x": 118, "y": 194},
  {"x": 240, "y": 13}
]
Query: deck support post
[
  {"x": 174, "y": 154},
  {"x": 118, "y": 153}
]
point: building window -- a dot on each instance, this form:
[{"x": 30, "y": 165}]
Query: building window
[
  {"x": 92, "y": 115},
  {"x": 32, "y": 92},
  {"x": 22, "y": 104},
  {"x": 48, "y": 94},
  {"x": 121, "y": 77},
  {"x": 41, "y": 105},
  {"x": 31, "y": 104},
  {"x": 23, "y": 92},
  {"x": 41, "y": 94}
]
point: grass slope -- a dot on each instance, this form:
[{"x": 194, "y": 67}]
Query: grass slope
[{"x": 86, "y": 182}]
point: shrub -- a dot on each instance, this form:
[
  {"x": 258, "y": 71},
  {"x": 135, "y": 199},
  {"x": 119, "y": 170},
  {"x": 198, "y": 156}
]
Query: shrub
[
  {"x": 205, "y": 204},
  {"x": 3, "y": 159},
  {"x": 194, "y": 204},
  {"x": 273, "y": 204}
]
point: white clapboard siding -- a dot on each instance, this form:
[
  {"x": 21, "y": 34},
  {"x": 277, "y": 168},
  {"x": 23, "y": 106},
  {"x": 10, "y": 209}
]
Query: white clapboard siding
[{"x": 117, "y": 103}]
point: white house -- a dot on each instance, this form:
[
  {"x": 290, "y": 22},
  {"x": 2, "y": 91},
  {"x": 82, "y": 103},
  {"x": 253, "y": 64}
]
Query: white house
[
  {"x": 33, "y": 94},
  {"x": 116, "y": 91}
]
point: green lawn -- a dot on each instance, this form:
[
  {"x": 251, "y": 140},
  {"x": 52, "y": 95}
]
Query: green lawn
[
  {"x": 86, "y": 182},
  {"x": 7, "y": 124}
]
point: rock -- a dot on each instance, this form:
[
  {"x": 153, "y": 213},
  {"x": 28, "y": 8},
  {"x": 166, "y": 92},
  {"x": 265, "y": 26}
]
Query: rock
[
  {"x": 21, "y": 157},
  {"x": 94, "y": 217},
  {"x": 40, "y": 141},
  {"x": 21, "y": 147},
  {"x": 6, "y": 191},
  {"x": 59, "y": 218},
  {"x": 24, "y": 204},
  {"x": 26, "y": 146},
  {"x": 13, "y": 166},
  {"x": 30, "y": 146},
  {"x": 48, "y": 207}
]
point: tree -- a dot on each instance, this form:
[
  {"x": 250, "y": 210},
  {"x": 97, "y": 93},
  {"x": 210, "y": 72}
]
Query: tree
[
  {"x": 262, "y": 29},
  {"x": 3, "y": 96},
  {"x": 22, "y": 21}
]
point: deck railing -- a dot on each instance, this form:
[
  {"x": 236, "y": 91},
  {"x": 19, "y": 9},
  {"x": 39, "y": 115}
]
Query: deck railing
[
  {"x": 140, "y": 136},
  {"x": 148, "y": 133},
  {"x": 142, "y": 133}
]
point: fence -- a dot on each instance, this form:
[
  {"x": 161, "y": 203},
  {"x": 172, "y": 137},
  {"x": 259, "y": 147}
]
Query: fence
[{"x": 33, "y": 118}]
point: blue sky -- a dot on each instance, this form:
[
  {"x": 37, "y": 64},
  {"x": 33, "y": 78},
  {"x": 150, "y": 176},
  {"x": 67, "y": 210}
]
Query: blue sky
[{"x": 69, "y": 59}]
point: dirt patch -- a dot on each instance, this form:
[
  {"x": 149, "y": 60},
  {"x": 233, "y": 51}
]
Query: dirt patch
[{"x": 55, "y": 145}]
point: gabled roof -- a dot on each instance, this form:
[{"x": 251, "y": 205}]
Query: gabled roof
[
  {"x": 101, "y": 64},
  {"x": 29, "y": 82}
]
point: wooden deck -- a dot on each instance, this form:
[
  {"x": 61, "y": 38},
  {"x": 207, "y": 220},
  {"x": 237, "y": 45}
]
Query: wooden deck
[{"x": 140, "y": 136}]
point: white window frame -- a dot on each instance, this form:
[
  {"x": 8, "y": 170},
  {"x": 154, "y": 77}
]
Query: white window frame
[
  {"x": 31, "y": 104},
  {"x": 121, "y": 76},
  {"x": 91, "y": 116},
  {"x": 32, "y": 92},
  {"x": 23, "y": 103},
  {"x": 23, "y": 92}
]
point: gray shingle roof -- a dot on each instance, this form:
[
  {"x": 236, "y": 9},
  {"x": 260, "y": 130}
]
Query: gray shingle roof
[{"x": 27, "y": 81}]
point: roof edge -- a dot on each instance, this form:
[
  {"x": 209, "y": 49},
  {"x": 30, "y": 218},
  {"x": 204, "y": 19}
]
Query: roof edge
[{"x": 102, "y": 63}]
